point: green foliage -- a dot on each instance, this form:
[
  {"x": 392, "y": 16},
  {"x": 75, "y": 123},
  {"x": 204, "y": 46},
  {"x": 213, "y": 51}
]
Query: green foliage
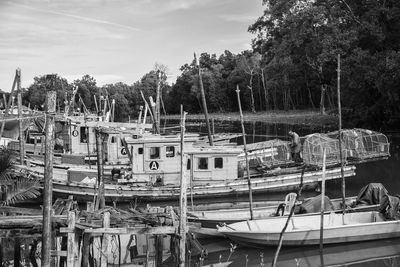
[
  {"x": 15, "y": 187},
  {"x": 35, "y": 94},
  {"x": 293, "y": 60}
]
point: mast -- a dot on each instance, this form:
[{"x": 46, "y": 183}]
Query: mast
[{"x": 203, "y": 99}]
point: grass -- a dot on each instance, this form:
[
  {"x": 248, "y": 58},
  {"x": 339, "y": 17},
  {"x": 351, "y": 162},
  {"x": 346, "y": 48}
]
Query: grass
[{"x": 292, "y": 117}]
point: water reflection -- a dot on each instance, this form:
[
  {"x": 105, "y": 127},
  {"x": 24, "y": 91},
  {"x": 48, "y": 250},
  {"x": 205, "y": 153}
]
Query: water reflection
[{"x": 375, "y": 253}]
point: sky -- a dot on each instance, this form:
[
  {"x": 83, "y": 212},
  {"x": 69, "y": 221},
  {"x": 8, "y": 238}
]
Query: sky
[{"x": 116, "y": 40}]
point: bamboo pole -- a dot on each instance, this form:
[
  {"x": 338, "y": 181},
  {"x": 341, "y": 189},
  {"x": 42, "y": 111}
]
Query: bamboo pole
[
  {"x": 340, "y": 139},
  {"x": 321, "y": 235},
  {"x": 20, "y": 126},
  {"x": 274, "y": 260},
  {"x": 245, "y": 153},
  {"x": 203, "y": 99},
  {"x": 182, "y": 198},
  {"x": 48, "y": 176}
]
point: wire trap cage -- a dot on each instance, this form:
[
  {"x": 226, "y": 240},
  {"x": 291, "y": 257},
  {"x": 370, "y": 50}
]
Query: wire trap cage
[
  {"x": 313, "y": 149},
  {"x": 362, "y": 144},
  {"x": 267, "y": 154}
]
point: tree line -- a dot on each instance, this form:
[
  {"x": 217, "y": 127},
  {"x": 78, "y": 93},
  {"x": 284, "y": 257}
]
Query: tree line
[{"x": 293, "y": 64}]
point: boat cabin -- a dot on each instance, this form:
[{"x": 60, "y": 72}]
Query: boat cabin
[{"x": 156, "y": 161}]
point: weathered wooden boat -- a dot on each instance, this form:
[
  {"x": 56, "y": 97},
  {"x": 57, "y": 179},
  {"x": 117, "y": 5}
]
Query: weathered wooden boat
[
  {"x": 305, "y": 229},
  {"x": 369, "y": 197},
  {"x": 210, "y": 219},
  {"x": 232, "y": 187},
  {"x": 215, "y": 217}
]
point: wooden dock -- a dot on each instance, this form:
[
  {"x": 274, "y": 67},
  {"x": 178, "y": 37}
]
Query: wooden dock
[{"x": 75, "y": 231}]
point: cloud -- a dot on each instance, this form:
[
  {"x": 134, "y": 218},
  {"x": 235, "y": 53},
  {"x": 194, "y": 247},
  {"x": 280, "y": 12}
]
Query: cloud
[
  {"x": 82, "y": 18},
  {"x": 101, "y": 79},
  {"x": 238, "y": 18}
]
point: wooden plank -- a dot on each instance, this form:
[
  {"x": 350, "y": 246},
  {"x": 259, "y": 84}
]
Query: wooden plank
[{"x": 132, "y": 230}]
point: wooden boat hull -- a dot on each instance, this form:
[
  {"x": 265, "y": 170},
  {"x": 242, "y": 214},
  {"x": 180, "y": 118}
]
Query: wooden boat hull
[
  {"x": 266, "y": 232},
  {"x": 209, "y": 220},
  {"x": 127, "y": 193}
]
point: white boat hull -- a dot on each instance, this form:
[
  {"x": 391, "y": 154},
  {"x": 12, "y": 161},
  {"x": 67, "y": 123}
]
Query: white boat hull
[{"x": 304, "y": 230}]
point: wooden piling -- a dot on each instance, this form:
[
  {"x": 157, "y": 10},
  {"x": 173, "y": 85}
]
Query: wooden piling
[
  {"x": 104, "y": 243},
  {"x": 203, "y": 100},
  {"x": 245, "y": 153},
  {"x": 17, "y": 252},
  {"x": 72, "y": 241},
  {"x": 182, "y": 199},
  {"x": 48, "y": 176},
  {"x": 20, "y": 122},
  {"x": 100, "y": 201},
  {"x": 159, "y": 249}
]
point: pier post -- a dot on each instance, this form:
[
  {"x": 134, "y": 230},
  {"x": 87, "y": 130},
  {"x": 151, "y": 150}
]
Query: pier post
[
  {"x": 48, "y": 176},
  {"x": 72, "y": 243},
  {"x": 104, "y": 243},
  {"x": 182, "y": 199},
  {"x": 17, "y": 252},
  {"x": 20, "y": 124},
  {"x": 100, "y": 201}
]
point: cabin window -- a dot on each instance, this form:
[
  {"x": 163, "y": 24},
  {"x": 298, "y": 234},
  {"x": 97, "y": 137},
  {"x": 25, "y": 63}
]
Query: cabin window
[
  {"x": 188, "y": 164},
  {"x": 170, "y": 151},
  {"x": 218, "y": 163},
  {"x": 84, "y": 134},
  {"x": 140, "y": 150},
  {"x": 113, "y": 139},
  {"x": 203, "y": 164},
  {"x": 154, "y": 152}
]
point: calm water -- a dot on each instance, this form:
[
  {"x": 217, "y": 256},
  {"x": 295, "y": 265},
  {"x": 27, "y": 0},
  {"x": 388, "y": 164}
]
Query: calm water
[
  {"x": 377, "y": 253},
  {"x": 223, "y": 253}
]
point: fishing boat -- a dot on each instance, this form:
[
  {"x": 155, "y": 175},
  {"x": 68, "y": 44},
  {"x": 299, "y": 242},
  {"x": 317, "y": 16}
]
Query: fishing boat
[
  {"x": 305, "y": 229},
  {"x": 154, "y": 173},
  {"x": 368, "y": 199}
]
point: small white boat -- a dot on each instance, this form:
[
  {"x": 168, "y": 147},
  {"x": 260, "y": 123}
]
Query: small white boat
[{"x": 305, "y": 229}]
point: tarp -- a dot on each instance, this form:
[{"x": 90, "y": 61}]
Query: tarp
[
  {"x": 389, "y": 207},
  {"x": 314, "y": 205},
  {"x": 371, "y": 194}
]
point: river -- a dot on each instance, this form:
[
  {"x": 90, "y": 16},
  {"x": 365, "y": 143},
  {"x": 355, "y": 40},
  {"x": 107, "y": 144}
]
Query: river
[{"x": 221, "y": 252}]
